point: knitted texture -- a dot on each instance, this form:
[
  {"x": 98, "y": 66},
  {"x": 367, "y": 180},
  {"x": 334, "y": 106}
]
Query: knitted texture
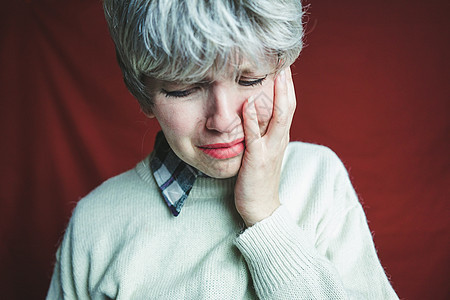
[{"x": 123, "y": 242}]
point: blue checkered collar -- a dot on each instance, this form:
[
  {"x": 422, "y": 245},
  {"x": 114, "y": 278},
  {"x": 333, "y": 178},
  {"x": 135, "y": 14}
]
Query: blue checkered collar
[{"x": 174, "y": 177}]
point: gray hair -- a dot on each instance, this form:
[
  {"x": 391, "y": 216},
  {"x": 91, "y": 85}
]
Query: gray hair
[{"x": 183, "y": 40}]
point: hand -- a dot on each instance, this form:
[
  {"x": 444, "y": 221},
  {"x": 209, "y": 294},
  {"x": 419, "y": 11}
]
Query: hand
[{"x": 256, "y": 190}]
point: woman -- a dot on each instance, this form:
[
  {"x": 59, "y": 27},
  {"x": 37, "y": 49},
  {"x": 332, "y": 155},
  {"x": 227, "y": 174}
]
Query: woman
[{"x": 225, "y": 207}]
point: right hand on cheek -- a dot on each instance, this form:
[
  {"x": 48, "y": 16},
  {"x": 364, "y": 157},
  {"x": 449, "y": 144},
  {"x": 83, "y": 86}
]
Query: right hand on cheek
[{"x": 256, "y": 190}]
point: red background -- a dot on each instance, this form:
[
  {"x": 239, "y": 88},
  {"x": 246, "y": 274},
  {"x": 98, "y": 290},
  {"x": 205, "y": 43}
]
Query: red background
[{"x": 372, "y": 84}]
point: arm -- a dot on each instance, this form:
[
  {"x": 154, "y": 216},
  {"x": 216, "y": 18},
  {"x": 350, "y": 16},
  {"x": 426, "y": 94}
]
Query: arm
[
  {"x": 55, "y": 291},
  {"x": 68, "y": 278},
  {"x": 285, "y": 262}
]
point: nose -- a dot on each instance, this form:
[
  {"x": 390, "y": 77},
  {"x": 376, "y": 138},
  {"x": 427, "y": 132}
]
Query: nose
[{"x": 224, "y": 109}]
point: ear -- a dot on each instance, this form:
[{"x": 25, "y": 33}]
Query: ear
[
  {"x": 149, "y": 115},
  {"x": 148, "y": 112},
  {"x": 151, "y": 85}
]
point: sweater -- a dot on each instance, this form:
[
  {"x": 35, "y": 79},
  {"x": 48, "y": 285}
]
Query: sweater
[{"x": 122, "y": 241}]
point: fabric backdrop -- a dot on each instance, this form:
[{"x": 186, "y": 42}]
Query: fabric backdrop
[{"x": 372, "y": 84}]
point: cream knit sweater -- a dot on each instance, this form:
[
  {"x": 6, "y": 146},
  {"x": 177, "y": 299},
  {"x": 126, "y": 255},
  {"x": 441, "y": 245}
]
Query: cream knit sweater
[{"x": 123, "y": 243}]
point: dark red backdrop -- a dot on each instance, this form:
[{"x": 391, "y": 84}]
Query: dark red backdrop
[{"x": 372, "y": 84}]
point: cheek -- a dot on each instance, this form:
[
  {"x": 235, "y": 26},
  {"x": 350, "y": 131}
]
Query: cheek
[
  {"x": 166, "y": 118},
  {"x": 177, "y": 121}
]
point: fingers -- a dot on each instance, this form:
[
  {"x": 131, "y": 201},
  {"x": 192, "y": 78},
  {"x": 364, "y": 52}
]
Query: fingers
[
  {"x": 277, "y": 131},
  {"x": 291, "y": 94},
  {"x": 264, "y": 111},
  {"x": 283, "y": 108},
  {"x": 251, "y": 126}
]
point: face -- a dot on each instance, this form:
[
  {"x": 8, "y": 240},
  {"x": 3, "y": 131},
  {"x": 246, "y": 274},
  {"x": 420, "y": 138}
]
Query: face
[{"x": 202, "y": 122}]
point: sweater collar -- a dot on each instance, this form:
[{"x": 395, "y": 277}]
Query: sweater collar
[{"x": 174, "y": 177}]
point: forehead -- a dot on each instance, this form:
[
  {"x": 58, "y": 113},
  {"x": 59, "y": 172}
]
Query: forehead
[
  {"x": 231, "y": 71},
  {"x": 245, "y": 68},
  {"x": 234, "y": 68}
]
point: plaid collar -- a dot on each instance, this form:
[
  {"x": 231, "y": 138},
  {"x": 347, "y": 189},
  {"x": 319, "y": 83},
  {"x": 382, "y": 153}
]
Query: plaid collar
[{"x": 174, "y": 177}]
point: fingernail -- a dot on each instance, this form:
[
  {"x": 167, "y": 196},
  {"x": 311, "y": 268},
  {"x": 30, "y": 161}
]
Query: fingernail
[{"x": 251, "y": 99}]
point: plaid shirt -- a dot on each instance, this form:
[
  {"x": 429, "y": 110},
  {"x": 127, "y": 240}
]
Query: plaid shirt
[{"x": 174, "y": 177}]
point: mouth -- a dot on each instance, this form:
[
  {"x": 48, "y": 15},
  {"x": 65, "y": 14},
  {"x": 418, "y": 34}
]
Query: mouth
[{"x": 224, "y": 150}]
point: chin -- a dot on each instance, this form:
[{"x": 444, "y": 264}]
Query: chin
[
  {"x": 223, "y": 169},
  {"x": 223, "y": 175}
]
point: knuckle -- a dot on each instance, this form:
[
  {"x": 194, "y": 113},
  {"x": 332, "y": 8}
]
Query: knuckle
[
  {"x": 293, "y": 105},
  {"x": 282, "y": 119}
]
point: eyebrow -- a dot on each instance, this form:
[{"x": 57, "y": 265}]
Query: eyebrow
[
  {"x": 247, "y": 72},
  {"x": 167, "y": 86}
]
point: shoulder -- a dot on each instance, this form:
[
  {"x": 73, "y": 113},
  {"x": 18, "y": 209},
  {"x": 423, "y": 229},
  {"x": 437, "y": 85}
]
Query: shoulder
[
  {"x": 118, "y": 198},
  {"x": 314, "y": 181},
  {"x": 113, "y": 189},
  {"x": 311, "y": 158}
]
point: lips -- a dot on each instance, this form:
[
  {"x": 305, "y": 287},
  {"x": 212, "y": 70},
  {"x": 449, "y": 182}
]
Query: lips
[{"x": 224, "y": 150}]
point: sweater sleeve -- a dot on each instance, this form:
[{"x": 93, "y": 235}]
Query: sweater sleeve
[
  {"x": 55, "y": 291},
  {"x": 283, "y": 263},
  {"x": 69, "y": 280},
  {"x": 341, "y": 263}
]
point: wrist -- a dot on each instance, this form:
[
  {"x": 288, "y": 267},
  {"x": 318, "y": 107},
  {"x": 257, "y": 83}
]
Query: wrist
[{"x": 251, "y": 219}]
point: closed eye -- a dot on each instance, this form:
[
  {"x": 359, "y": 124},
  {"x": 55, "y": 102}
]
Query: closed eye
[
  {"x": 179, "y": 94},
  {"x": 253, "y": 82}
]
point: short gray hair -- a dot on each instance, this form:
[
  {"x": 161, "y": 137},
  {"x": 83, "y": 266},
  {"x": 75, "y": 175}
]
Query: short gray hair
[{"x": 183, "y": 40}]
